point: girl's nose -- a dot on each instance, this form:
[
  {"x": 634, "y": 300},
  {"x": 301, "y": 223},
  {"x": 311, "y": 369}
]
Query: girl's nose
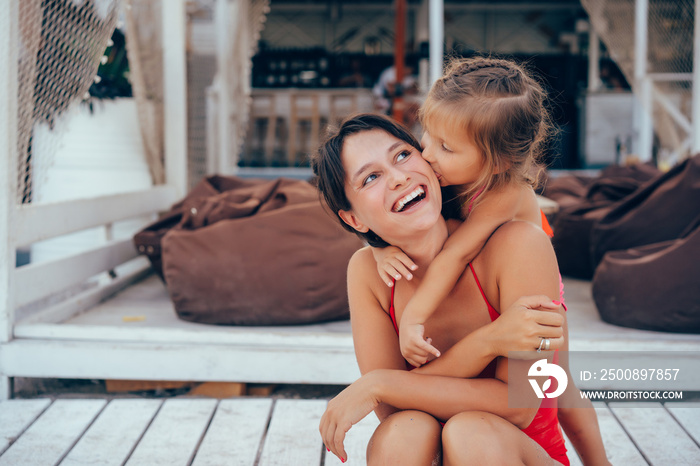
[{"x": 428, "y": 154}]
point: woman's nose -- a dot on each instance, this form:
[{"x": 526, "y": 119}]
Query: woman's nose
[{"x": 397, "y": 178}]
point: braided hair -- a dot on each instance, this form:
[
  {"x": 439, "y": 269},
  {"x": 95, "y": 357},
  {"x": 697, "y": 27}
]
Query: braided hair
[{"x": 502, "y": 109}]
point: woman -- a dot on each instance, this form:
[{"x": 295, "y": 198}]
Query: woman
[{"x": 372, "y": 175}]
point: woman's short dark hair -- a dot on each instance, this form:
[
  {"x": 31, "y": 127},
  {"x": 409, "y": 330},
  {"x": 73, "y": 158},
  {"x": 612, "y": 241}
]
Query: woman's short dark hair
[{"x": 327, "y": 164}]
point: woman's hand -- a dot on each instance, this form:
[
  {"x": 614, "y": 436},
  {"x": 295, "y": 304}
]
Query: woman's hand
[
  {"x": 392, "y": 264},
  {"x": 525, "y": 323},
  {"x": 348, "y": 408}
]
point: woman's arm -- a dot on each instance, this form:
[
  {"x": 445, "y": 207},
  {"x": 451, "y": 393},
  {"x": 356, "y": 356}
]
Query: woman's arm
[
  {"x": 520, "y": 328},
  {"x": 443, "y": 397}
]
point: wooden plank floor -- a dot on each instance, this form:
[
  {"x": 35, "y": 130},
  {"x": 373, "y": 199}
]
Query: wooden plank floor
[{"x": 268, "y": 432}]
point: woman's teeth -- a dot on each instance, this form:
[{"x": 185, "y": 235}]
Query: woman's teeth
[{"x": 408, "y": 198}]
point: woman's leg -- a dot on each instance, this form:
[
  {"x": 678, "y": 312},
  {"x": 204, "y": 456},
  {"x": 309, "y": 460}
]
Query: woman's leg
[
  {"x": 406, "y": 438},
  {"x": 476, "y": 437}
]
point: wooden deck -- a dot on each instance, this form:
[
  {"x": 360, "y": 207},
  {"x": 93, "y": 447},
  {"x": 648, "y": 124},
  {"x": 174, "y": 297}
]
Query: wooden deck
[{"x": 266, "y": 431}]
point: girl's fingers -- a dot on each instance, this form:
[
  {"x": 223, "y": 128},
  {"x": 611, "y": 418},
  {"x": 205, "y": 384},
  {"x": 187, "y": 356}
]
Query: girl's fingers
[
  {"x": 401, "y": 269},
  {"x": 428, "y": 348},
  {"x": 405, "y": 260},
  {"x": 386, "y": 278}
]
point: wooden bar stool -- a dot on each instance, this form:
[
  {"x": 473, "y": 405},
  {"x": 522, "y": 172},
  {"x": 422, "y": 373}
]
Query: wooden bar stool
[
  {"x": 262, "y": 110},
  {"x": 341, "y": 105},
  {"x": 303, "y": 109}
]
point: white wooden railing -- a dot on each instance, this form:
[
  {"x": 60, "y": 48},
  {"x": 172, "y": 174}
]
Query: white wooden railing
[{"x": 23, "y": 225}]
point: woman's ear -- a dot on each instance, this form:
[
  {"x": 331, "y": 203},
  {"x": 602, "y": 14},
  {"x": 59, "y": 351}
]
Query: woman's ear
[{"x": 351, "y": 219}]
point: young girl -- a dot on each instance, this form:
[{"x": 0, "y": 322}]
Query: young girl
[{"x": 484, "y": 124}]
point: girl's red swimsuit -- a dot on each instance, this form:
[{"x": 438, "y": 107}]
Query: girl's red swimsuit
[{"x": 544, "y": 428}]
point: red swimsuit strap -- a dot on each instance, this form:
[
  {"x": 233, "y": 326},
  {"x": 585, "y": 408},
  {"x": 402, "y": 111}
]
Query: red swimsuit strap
[
  {"x": 492, "y": 312},
  {"x": 392, "y": 311}
]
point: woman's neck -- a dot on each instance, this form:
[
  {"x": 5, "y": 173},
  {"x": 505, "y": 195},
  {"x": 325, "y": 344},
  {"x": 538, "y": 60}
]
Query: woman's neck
[{"x": 422, "y": 249}]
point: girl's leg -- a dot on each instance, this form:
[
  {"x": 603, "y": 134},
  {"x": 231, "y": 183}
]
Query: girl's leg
[
  {"x": 477, "y": 437},
  {"x": 406, "y": 438}
]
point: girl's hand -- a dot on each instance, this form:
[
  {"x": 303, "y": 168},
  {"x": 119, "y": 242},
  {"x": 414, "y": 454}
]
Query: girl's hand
[
  {"x": 347, "y": 409},
  {"x": 392, "y": 264},
  {"x": 525, "y": 323},
  {"x": 414, "y": 347}
]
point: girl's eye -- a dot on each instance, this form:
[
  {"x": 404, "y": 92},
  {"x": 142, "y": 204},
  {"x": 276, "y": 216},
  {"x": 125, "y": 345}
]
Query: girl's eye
[
  {"x": 445, "y": 148},
  {"x": 369, "y": 179}
]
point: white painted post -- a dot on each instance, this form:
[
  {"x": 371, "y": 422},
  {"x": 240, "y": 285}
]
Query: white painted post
[
  {"x": 9, "y": 35},
  {"x": 222, "y": 18},
  {"x": 644, "y": 124},
  {"x": 695, "y": 148},
  {"x": 593, "y": 60},
  {"x": 437, "y": 38},
  {"x": 422, "y": 36},
  {"x": 226, "y": 10},
  {"x": 175, "y": 94}
]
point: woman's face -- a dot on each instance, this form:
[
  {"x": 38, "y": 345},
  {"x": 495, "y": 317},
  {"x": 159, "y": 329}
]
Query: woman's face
[{"x": 392, "y": 190}]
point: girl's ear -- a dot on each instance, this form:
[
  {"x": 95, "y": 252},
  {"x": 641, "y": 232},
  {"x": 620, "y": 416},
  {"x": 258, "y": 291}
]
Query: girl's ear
[
  {"x": 351, "y": 219},
  {"x": 501, "y": 166}
]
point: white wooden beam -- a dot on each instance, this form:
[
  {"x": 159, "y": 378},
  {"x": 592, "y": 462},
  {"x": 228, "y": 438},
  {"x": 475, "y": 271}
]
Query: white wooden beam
[
  {"x": 225, "y": 12},
  {"x": 644, "y": 124},
  {"x": 36, "y": 281},
  {"x": 437, "y": 38},
  {"x": 175, "y": 94},
  {"x": 9, "y": 40},
  {"x": 83, "y": 301},
  {"x": 154, "y": 361},
  {"x": 36, "y": 222},
  {"x": 696, "y": 81}
]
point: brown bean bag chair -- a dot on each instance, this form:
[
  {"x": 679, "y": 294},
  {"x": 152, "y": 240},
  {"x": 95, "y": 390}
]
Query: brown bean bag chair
[
  {"x": 659, "y": 211},
  {"x": 652, "y": 287},
  {"x": 575, "y": 220},
  {"x": 251, "y": 194},
  {"x": 259, "y": 253}
]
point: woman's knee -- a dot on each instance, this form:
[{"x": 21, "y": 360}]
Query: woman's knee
[
  {"x": 405, "y": 437},
  {"x": 474, "y": 437}
]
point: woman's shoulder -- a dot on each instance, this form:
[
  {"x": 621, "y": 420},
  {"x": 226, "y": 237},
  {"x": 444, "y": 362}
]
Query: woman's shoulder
[
  {"x": 518, "y": 239},
  {"x": 363, "y": 267},
  {"x": 363, "y": 277}
]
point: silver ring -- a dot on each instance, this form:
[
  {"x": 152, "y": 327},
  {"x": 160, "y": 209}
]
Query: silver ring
[
  {"x": 539, "y": 348},
  {"x": 546, "y": 344}
]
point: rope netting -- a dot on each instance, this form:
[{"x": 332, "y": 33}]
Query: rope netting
[
  {"x": 61, "y": 45},
  {"x": 669, "y": 62},
  {"x": 247, "y": 23}
]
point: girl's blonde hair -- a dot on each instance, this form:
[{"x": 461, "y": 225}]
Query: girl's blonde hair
[{"x": 502, "y": 109}]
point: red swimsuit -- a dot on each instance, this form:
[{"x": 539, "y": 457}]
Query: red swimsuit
[{"x": 544, "y": 428}]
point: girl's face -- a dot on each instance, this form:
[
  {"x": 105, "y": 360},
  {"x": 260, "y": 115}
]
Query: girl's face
[
  {"x": 392, "y": 190},
  {"x": 453, "y": 156}
]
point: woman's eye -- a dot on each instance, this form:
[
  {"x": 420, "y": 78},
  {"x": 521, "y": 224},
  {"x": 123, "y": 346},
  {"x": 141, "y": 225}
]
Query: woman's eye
[
  {"x": 403, "y": 155},
  {"x": 369, "y": 179}
]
